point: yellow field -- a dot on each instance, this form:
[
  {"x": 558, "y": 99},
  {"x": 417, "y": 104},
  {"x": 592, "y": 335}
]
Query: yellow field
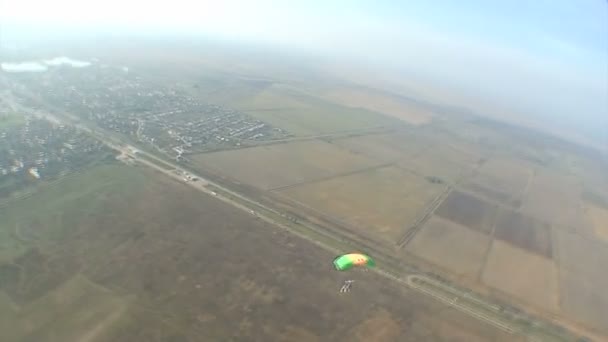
[
  {"x": 433, "y": 165},
  {"x": 380, "y": 203},
  {"x": 583, "y": 278},
  {"x": 599, "y": 219},
  {"x": 452, "y": 247},
  {"x": 529, "y": 277},
  {"x": 584, "y": 299},
  {"x": 303, "y": 114},
  {"x": 269, "y": 167},
  {"x": 504, "y": 179},
  {"x": 383, "y": 147},
  {"x": 554, "y": 198},
  {"x": 445, "y": 162},
  {"x": 376, "y": 101}
]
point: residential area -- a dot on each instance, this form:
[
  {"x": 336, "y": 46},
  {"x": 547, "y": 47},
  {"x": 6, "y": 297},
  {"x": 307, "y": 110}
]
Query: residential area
[
  {"x": 166, "y": 120},
  {"x": 34, "y": 149}
]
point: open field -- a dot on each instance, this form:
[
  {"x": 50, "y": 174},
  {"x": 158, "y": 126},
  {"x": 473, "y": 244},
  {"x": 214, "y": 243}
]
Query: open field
[
  {"x": 43, "y": 218},
  {"x": 441, "y": 160},
  {"x": 554, "y": 198},
  {"x": 303, "y": 114},
  {"x": 269, "y": 167},
  {"x": 451, "y": 247},
  {"x": 77, "y": 310},
  {"x": 598, "y": 217},
  {"x": 383, "y": 148},
  {"x": 597, "y": 197},
  {"x": 489, "y": 193},
  {"x": 583, "y": 298},
  {"x": 380, "y": 102},
  {"x": 171, "y": 264},
  {"x": 525, "y": 276},
  {"x": 469, "y": 211},
  {"x": 379, "y": 204},
  {"x": 506, "y": 175},
  {"x": 161, "y": 262},
  {"x": 524, "y": 232},
  {"x": 432, "y": 165},
  {"x": 9, "y": 120},
  {"x": 583, "y": 278},
  {"x": 501, "y": 180}
]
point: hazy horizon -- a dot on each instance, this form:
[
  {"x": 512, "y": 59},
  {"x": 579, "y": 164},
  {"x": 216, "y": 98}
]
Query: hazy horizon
[{"x": 546, "y": 61}]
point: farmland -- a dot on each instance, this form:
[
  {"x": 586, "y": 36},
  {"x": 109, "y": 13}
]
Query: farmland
[
  {"x": 404, "y": 110},
  {"x": 303, "y": 114},
  {"x": 496, "y": 230},
  {"x": 583, "y": 281},
  {"x": 10, "y": 120},
  {"x": 182, "y": 266},
  {"x": 369, "y": 201},
  {"x": 468, "y": 211},
  {"x": 502, "y": 210},
  {"x": 522, "y": 275},
  {"x": 452, "y": 247},
  {"x": 383, "y": 148},
  {"x": 525, "y": 233},
  {"x": 502, "y": 180},
  {"x": 275, "y": 166},
  {"x": 598, "y": 217},
  {"x": 540, "y": 202}
]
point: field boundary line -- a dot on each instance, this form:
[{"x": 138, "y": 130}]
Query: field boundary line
[
  {"x": 421, "y": 220},
  {"x": 330, "y": 177}
]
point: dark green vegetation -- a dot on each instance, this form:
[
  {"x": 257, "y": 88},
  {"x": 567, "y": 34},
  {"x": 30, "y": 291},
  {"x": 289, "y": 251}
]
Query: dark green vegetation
[{"x": 123, "y": 254}]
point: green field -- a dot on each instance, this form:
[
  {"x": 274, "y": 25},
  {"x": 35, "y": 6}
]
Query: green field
[
  {"x": 78, "y": 310},
  {"x": 9, "y": 120},
  {"x": 125, "y": 254},
  {"x": 302, "y": 114},
  {"x": 45, "y": 217}
]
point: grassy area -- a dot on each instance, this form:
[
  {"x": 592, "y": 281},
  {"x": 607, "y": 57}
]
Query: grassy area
[
  {"x": 302, "y": 114},
  {"x": 83, "y": 310},
  {"x": 48, "y": 215},
  {"x": 10, "y": 120}
]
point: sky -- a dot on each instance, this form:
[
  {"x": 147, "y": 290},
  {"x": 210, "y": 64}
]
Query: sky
[{"x": 543, "y": 59}]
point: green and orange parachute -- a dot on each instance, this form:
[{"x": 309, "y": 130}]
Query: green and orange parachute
[{"x": 347, "y": 261}]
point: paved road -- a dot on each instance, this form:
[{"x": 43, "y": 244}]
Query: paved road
[{"x": 439, "y": 291}]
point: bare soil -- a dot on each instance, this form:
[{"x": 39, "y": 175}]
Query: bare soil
[
  {"x": 524, "y": 232},
  {"x": 469, "y": 211},
  {"x": 528, "y": 277},
  {"x": 450, "y": 246}
]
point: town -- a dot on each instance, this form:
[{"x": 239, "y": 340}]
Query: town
[
  {"x": 165, "y": 120},
  {"x": 34, "y": 149}
]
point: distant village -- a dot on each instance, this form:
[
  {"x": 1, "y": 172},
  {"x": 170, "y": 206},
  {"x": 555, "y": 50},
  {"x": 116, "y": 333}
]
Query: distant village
[
  {"x": 164, "y": 119},
  {"x": 37, "y": 149}
]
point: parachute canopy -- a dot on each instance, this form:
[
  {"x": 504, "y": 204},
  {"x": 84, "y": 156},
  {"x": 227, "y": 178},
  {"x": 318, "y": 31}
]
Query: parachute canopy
[{"x": 347, "y": 261}]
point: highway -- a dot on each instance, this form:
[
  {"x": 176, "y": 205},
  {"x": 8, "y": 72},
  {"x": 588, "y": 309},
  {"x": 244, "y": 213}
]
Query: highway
[
  {"x": 458, "y": 299},
  {"x": 420, "y": 283}
]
